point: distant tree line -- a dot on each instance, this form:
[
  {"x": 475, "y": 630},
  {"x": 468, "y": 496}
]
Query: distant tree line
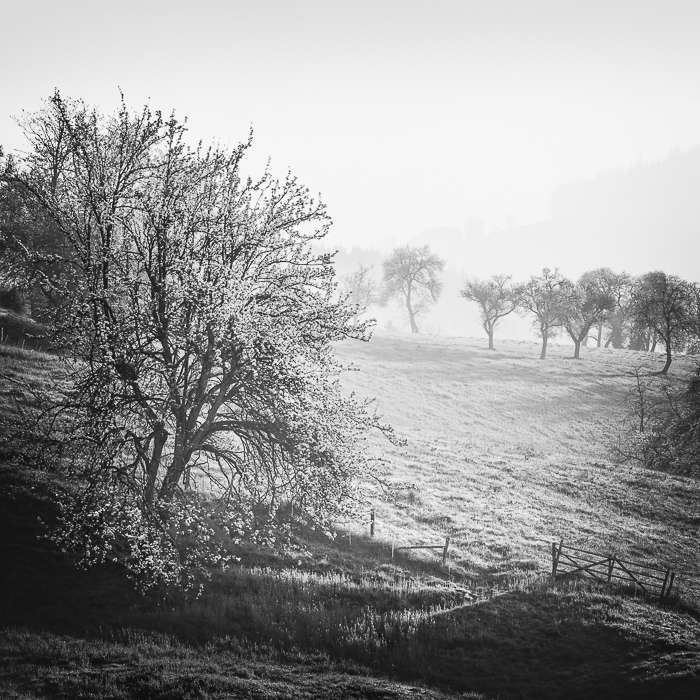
[{"x": 607, "y": 308}]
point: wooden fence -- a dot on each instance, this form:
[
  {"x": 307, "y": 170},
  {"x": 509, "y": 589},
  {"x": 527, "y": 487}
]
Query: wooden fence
[
  {"x": 443, "y": 547},
  {"x": 654, "y": 581},
  {"x": 394, "y": 548}
]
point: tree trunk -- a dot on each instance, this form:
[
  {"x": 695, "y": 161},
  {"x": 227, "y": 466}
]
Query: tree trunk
[
  {"x": 668, "y": 360},
  {"x": 578, "y": 338},
  {"x": 490, "y": 334},
  {"x": 600, "y": 334},
  {"x": 543, "y": 354},
  {"x": 411, "y": 315},
  {"x": 159, "y": 440},
  {"x": 174, "y": 473}
]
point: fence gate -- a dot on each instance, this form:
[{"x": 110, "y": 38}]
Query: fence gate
[{"x": 653, "y": 581}]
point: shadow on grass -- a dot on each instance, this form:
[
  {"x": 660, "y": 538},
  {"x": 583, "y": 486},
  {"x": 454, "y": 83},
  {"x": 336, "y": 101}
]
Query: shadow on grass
[
  {"x": 40, "y": 587},
  {"x": 350, "y": 610},
  {"x": 543, "y": 645}
]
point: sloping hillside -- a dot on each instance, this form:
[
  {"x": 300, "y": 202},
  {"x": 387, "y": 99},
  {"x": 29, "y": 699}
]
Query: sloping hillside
[
  {"x": 504, "y": 453},
  {"x": 507, "y": 453}
]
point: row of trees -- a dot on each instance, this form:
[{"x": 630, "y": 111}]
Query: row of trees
[{"x": 612, "y": 309}]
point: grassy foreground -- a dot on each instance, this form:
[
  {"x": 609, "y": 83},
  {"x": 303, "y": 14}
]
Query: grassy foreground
[{"x": 504, "y": 454}]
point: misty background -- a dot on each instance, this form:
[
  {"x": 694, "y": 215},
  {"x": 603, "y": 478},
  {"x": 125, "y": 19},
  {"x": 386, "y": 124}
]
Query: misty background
[
  {"x": 507, "y": 135},
  {"x": 636, "y": 219}
]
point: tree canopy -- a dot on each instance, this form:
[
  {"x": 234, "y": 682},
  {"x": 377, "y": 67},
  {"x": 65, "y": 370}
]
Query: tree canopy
[
  {"x": 411, "y": 277},
  {"x": 662, "y": 304},
  {"x": 361, "y": 290},
  {"x": 203, "y": 397},
  {"x": 546, "y": 297},
  {"x": 589, "y": 302},
  {"x": 496, "y": 298}
]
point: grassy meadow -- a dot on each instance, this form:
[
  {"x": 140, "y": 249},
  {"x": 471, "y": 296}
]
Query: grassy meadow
[
  {"x": 503, "y": 453},
  {"x": 507, "y": 453}
]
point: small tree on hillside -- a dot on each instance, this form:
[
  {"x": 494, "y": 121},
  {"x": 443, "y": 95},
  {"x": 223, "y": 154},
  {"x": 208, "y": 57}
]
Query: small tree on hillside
[
  {"x": 411, "y": 277},
  {"x": 661, "y": 304},
  {"x": 361, "y": 290},
  {"x": 547, "y": 298},
  {"x": 200, "y": 321},
  {"x": 618, "y": 322},
  {"x": 496, "y": 298},
  {"x": 587, "y": 304},
  {"x": 662, "y": 425},
  {"x": 603, "y": 282}
]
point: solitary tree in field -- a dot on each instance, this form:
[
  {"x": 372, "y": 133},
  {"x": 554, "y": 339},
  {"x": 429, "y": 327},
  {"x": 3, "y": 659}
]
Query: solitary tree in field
[
  {"x": 200, "y": 322},
  {"x": 546, "y": 297},
  {"x": 361, "y": 290},
  {"x": 411, "y": 277},
  {"x": 496, "y": 298},
  {"x": 587, "y": 304},
  {"x": 662, "y": 305}
]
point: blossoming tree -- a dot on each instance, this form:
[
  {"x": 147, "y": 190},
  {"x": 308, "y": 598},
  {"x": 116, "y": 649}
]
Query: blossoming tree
[{"x": 204, "y": 395}]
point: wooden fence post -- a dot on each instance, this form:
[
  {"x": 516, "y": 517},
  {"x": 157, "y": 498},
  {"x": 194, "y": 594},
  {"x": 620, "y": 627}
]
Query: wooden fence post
[
  {"x": 556, "y": 552},
  {"x": 392, "y": 547},
  {"x": 371, "y": 523},
  {"x": 670, "y": 584},
  {"x": 663, "y": 587},
  {"x": 611, "y": 566},
  {"x": 444, "y": 551}
]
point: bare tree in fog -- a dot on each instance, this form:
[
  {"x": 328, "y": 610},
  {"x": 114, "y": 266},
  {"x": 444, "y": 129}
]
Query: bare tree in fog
[
  {"x": 662, "y": 305},
  {"x": 589, "y": 303},
  {"x": 546, "y": 298},
  {"x": 603, "y": 282},
  {"x": 496, "y": 298},
  {"x": 411, "y": 277},
  {"x": 361, "y": 290}
]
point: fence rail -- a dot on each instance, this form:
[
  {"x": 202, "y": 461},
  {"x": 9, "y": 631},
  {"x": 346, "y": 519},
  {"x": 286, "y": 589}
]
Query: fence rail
[
  {"x": 654, "y": 581},
  {"x": 394, "y": 548},
  {"x": 443, "y": 547}
]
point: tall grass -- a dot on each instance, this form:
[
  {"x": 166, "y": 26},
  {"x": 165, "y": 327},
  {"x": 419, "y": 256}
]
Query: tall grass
[{"x": 356, "y": 616}]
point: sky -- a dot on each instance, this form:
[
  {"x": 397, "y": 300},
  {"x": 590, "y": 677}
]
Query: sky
[{"x": 404, "y": 116}]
